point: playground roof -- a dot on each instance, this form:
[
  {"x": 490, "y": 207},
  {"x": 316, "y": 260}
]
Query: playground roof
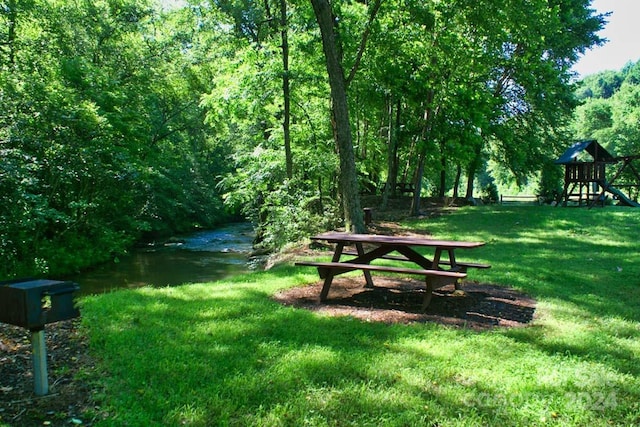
[{"x": 596, "y": 150}]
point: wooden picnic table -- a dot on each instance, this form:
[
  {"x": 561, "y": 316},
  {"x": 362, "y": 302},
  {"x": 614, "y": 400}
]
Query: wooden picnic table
[{"x": 438, "y": 271}]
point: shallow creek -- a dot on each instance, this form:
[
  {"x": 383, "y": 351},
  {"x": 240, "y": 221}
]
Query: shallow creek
[{"x": 196, "y": 257}]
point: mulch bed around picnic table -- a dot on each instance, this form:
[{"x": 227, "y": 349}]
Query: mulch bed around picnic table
[
  {"x": 478, "y": 306},
  {"x": 396, "y": 300}
]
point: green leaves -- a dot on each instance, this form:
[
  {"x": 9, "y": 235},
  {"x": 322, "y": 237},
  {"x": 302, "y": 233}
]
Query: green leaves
[
  {"x": 610, "y": 111},
  {"x": 121, "y": 119},
  {"x": 97, "y": 95}
]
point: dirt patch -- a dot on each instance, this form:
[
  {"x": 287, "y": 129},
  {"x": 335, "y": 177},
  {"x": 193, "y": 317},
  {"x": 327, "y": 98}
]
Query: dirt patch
[
  {"x": 396, "y": 300},
  {"x": 71, "y": 390}
]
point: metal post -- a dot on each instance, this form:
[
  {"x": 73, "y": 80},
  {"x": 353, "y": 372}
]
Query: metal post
[{"x": 39, "y": 349}]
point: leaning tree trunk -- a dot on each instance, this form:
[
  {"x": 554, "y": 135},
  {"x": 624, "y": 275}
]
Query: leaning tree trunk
[{"x": 353, "y": 215}]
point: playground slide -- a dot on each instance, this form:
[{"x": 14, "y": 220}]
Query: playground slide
[{"x": 622, "y": 197}]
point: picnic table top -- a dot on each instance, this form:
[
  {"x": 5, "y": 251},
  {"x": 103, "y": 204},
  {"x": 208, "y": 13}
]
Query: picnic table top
[{"x": 342, "y": 237}]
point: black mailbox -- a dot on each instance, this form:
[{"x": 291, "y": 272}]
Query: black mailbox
[{"x": 33, "y": 303}]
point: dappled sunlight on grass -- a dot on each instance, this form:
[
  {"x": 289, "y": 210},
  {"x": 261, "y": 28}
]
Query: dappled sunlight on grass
[
  {"x": 563, "y": 249},
  {"x": 225, "y": 353}
]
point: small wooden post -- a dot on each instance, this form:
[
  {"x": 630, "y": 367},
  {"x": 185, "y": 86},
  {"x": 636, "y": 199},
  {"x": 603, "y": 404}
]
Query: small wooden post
[
  {"x": 39, "y": 349},
  {"x": 368, "y": 216}
]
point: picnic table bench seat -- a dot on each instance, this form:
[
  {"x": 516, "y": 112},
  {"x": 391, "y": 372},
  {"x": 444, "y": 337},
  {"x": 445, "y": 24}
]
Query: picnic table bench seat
[
  {"x": 463, "y": 266},
  {"x": 348, "y": 266}
]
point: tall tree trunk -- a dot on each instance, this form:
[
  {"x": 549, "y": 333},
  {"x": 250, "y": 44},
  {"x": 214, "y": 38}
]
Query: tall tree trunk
[
  {"x": 471, "y": 172},
  {"x": 348, "y": 182},
  {"x": 393, "y": 137},
  {"x": 443, "y": 171},
  {"x": 415, "y": 201},
  {"x": 407, "y": 164},
  {"x": 456, "y": 182},
  {"x": 429, "y": 115},
  {"x": 12, "y": 12},
  {"x": 286, "y": 89}
]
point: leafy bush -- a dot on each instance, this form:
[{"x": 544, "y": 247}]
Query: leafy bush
[
  {"x": 290, "y": 215},
  {"x": 550, "y": 186}
]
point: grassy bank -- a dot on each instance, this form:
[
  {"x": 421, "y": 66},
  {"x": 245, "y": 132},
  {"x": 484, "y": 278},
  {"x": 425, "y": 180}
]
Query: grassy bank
[{"x": 224, "y": 353}]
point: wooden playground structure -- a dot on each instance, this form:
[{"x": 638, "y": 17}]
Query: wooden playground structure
[{"x": 586, "y": 181}]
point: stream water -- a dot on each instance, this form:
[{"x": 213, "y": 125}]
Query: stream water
[{"x": 197, "y": 257}]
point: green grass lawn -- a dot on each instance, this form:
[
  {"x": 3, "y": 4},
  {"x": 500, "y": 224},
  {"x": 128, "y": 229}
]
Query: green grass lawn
[{"x": 224, "y": 353}]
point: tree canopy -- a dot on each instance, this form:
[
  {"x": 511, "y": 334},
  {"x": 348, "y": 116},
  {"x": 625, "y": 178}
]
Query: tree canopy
[
  {"x": 123, "y": 119},
  {"x": 610, "y": 111}
]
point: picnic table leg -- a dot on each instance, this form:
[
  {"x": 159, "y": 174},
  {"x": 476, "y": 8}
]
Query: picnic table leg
[
  {"x": 455, "y": 267},
  {"x": 329, "y": 278},
  {"x": 428, "y": 295},
  {"x": 436, "y": 259},
  {"x": 367, "y": 274},
  {"x": 452, "y": 260},
  {"x": 435, "y": 282}
]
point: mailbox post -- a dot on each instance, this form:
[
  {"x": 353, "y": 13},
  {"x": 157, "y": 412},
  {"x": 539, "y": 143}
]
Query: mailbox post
[
  {"x": 39, "y": 358},
  {"x": 32, "y": 304}
]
